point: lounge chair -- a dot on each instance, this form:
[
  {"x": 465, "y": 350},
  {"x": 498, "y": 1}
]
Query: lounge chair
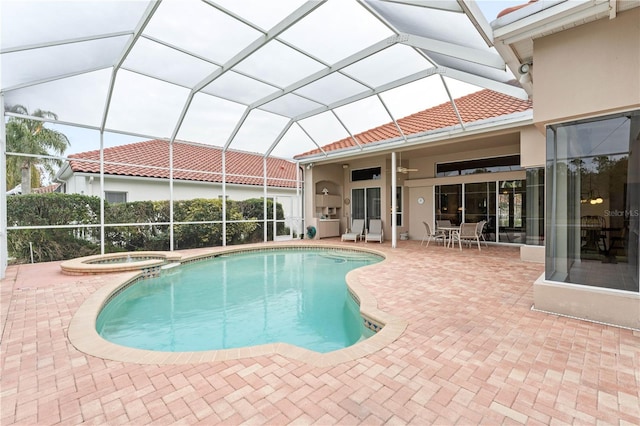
[
  {"x": 375, "y": 232},
  {"x": 428, "y": 235},
  {"x": 356, "y": 231}
]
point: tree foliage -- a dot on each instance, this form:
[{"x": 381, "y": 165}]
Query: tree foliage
[{"x": 25, "y": 136}]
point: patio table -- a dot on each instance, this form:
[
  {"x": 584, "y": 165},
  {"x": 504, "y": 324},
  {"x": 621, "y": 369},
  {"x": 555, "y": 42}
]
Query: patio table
[{"x": 448, "y": 230}]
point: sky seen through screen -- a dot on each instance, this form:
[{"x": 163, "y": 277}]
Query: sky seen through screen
[{"x": 401, "y": 101}]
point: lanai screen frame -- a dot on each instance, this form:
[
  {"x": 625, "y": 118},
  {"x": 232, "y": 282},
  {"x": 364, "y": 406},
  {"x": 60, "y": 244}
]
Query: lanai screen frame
[{"x": 468, "y": 57}]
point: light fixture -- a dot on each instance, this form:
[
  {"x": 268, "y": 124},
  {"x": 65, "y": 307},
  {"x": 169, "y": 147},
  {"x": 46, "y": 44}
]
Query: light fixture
[
  {"x": 525, "y": 72},
  {"x": 592, "y": 197},
  {"x": 309, "y": 166},
  {"x": 345, "y": 166}
]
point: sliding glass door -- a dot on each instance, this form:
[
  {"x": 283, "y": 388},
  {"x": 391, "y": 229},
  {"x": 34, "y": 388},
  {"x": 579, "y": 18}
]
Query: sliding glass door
[
  {"x": 501, "y": 203},
  {"x": 511, "y": 211},
  {"x": 480, "y": 204},
  {"x": 365, "y": 204}
]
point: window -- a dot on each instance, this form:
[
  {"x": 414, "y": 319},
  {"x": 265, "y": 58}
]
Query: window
[
  {"x": 373, "y": 173},
  {"x": 593, "y": 202},
  {"x": 398, "y": 206},
  {"x": 115, "y": 197},
  {"x": 535, "y": 207},
  {"x": 484, "y": 165}
]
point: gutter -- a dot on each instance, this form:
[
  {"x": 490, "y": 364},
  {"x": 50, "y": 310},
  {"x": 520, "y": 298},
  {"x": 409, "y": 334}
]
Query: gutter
[
  {"x": 439, "y": 135},
  {"x": 550, "y": 20}
]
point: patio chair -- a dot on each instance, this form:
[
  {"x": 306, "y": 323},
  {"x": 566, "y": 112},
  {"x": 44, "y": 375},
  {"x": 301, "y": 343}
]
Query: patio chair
[
  {"x": 480, "y": 231},
  {"x": 443, "y": 223},
  {"x": 375, "y": 232},
  {"x": 468, "y": 233},
  {"x": 357, "y": 228},
  {"x": 428, "y": 235}
]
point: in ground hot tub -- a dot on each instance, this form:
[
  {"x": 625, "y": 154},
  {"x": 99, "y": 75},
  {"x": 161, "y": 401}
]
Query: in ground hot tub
[{"x": 150, "y": 262}]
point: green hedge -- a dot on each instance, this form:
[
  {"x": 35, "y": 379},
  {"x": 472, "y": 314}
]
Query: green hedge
[
  {"x": 52, "y": 209},
  {"x": 150, "y": 233}
]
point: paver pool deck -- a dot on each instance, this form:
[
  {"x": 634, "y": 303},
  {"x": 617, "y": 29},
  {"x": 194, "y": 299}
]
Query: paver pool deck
[{"x": 473, "y": 352}]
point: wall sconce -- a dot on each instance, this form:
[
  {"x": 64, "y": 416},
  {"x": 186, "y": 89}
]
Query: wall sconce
[
  {"x": 309, "y": 166},
  {"x": 345, "y": 166},
  {"x": 525, "y": 73}
]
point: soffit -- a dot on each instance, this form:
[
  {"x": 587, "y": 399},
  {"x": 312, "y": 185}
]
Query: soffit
[{"x": 515, "y": 32}]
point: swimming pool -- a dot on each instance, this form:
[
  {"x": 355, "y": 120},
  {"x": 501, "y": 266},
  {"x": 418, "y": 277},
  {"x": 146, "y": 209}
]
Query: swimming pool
[{"x": 239, "y": 300}]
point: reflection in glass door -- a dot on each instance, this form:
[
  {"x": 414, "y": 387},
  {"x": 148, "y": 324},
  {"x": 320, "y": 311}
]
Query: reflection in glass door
[
  {"x": 480, "y": 204},
  {"x": 502, "y": 204},
  {"x": 449, "y": 203},
  {"x": 511, "y": 211},
  {"x": 365, "y": 204}
]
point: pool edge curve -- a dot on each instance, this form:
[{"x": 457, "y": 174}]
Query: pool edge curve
[{"x": 84, "y": 337}]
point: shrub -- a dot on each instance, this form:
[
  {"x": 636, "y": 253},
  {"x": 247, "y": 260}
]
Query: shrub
[
  {"x": 52, "y": 209},
  {"x": 151, "y": 231}
]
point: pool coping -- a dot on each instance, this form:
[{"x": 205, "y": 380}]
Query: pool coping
[
  {"x": 99, "y": 263},
  {"x": 84, "y": 337}
]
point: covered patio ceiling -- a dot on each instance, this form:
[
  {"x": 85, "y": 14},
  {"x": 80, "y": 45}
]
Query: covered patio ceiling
[{"x": 277, "y": 78}]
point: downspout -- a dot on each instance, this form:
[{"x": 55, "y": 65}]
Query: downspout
[
  {"x": 4, "y": 251},
  {"x": 300, "y": 197}
]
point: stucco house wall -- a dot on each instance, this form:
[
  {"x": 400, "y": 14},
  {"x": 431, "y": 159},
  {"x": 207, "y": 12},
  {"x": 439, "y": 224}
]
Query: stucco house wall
[
  {"x": 588, "y": 71},
  {"x": 414, "y": 184}
]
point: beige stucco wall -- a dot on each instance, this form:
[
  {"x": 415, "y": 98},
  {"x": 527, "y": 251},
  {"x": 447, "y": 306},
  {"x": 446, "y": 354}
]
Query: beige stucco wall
[
  {"x": 532, "y": 147},
  {"x": 588, "y": 70},
  {"x": 414, "y": 185},
  {"x": 591, "y": 303}
]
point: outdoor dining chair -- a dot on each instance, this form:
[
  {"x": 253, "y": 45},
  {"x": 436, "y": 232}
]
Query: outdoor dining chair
[
  {"x": 428, "y": 235},
  {"x": 480, "y": 231},
  {"x": 468, "y": 233}
]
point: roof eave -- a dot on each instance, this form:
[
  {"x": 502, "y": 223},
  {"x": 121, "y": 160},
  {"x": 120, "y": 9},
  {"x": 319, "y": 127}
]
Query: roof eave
[
  {"x": 537, "y": 20},
  {"x": 503, "y": 122}
]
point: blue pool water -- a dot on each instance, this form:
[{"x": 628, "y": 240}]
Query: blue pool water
[{"x": 298, "y": 297}]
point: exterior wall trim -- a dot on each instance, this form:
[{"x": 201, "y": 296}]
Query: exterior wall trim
[{"x": 596, "y": 304}]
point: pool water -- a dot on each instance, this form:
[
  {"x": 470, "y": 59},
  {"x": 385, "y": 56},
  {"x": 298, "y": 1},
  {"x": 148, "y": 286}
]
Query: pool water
[{"x": 298, "y": 297}]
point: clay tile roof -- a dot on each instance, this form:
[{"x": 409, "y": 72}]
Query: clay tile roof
[
  {"x": 46, "y": 189},
  {"x": 514, "y": 8},
  {"x": 476, "y": 106},
  {"x": 191, "y": 162}
]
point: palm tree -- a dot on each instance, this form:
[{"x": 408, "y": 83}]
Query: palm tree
[{"x": 31, "y": 137}]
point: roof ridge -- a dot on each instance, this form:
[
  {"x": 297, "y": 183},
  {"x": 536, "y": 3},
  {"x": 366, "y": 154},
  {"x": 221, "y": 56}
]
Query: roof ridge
[{"x": 179, "y": 141}]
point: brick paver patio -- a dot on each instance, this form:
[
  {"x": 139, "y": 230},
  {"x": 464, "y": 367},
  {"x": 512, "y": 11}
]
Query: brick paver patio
[{"x": 473, "y": 353}]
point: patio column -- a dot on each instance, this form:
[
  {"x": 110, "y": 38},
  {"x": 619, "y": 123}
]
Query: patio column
[
  {"x": 264, "y": 191},
  {"x": 394, "y": 190},
  {"x": 102, "y": 194},
  {"x": 171, "y": 233},
  {"x": 4, "y": 253},
  {"x": 224, "y": 197}
]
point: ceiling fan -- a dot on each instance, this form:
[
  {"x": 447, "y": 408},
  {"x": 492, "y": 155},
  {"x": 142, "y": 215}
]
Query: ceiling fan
[{"x": 405, "y": 170}]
